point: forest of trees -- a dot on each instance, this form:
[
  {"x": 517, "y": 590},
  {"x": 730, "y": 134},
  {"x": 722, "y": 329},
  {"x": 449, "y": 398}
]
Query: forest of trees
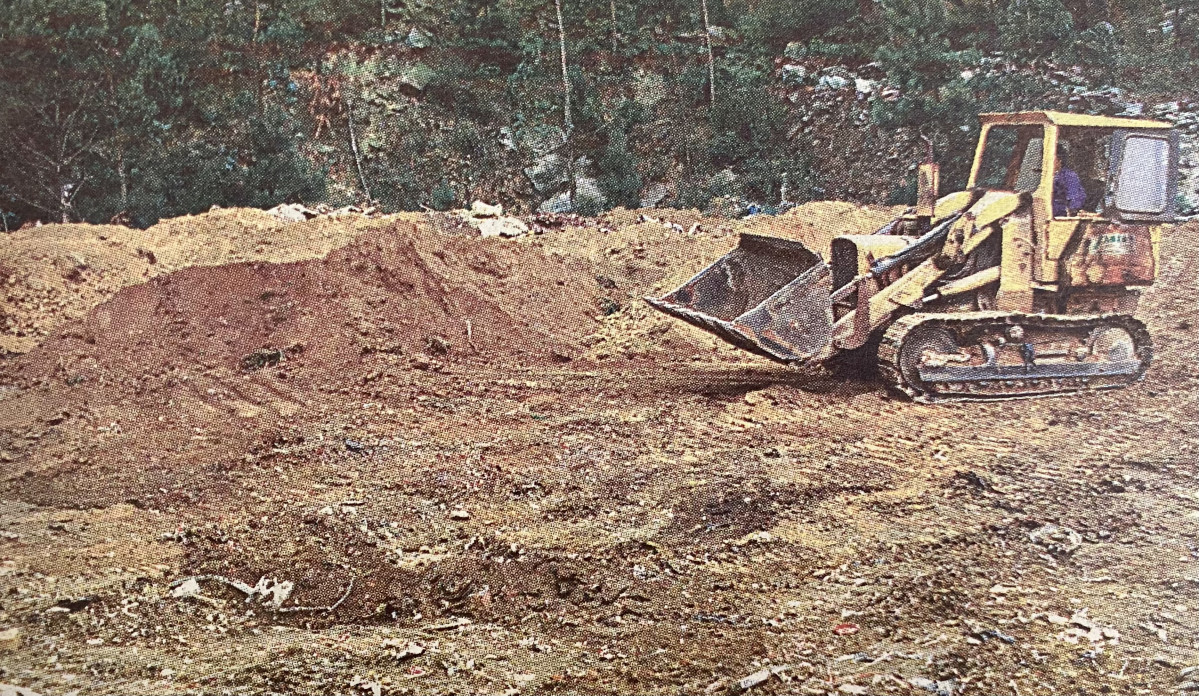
[{"x": 155, "y": 108}]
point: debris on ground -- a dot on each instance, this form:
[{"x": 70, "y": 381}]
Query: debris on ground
[
  {"x": 10, "y": 639},
  {"x": 298, "y": 212},
  {"x": 480, "y": 209},
  {"x": 1060, "y": 541},
  {"x": 10, "y": 690},
  {"x": 760, "y": 677}
]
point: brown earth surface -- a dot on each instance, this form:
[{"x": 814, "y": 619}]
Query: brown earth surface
[
  {"x": 569, "y": 494},
  {"x": 56, "y": 273}
]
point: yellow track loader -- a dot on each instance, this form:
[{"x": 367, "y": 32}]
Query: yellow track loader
[{"x": 1022, "y": 285}]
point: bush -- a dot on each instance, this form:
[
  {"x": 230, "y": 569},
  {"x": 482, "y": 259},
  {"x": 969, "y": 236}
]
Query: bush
[
  {"x": 618, "y": 177},
  {"x": 443, "y": 197}
]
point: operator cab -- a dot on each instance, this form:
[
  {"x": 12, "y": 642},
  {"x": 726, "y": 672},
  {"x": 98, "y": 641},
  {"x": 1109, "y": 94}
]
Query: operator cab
[{"x": 1125, "y": 168}]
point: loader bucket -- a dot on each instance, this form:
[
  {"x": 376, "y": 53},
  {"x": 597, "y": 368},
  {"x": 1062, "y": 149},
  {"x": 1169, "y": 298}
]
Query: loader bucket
[{"x": 769, "y": 296}]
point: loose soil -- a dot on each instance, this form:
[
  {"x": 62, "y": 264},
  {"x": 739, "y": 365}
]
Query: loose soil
[
  {"x": 569, "y": 494},
  {"x": 56, "y": 273}
]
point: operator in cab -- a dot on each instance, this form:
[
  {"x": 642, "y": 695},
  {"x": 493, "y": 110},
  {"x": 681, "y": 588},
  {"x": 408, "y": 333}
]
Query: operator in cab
[{"x": 1068, "y": 192}]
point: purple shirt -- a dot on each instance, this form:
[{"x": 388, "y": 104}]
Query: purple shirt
[{"x": 1068, "y": 193}]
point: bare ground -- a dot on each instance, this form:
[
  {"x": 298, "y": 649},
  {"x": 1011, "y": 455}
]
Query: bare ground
[{"x": 632, "y": 509}]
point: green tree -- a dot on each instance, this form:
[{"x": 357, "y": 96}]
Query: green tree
[{"x": 1036, "y": 28}]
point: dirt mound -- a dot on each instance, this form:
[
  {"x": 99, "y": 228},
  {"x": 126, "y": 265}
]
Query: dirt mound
[
  {"x": 53, "y": 274},
  {"x": 817, "y": 223},
  {"x": 56, "y": 273},
  {"x": 416, "y": 296}
]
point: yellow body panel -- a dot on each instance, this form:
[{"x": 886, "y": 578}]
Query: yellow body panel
[
  {"x": 1061, "y": 118},
  {"x": 871, "y": 247},
  {"x": 973, "y": 282},
  {"x": 1155, "y": 237},
  {"x": 1058, "y": 235},
  {"x": 954, "y": 202},
  {"x": 1016, "y": 265},
  {"x": 970, "y": 230}
]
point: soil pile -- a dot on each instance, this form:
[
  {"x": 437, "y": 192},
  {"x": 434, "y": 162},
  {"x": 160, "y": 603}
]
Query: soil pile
[
  {"x": 56, "y": 273},
  {"x": 817, "y": 223},
  {"x": 396, "y": 291}
]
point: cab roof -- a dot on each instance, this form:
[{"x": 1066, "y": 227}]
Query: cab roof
[{"x": 1022, "y": 118}]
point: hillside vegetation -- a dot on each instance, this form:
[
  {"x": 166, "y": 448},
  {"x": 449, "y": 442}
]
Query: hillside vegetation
[{"x": 144, "y": 110}]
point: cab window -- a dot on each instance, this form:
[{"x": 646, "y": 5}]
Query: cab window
[
  {"x": 1143, "y": 179},
  {"x": 1011, "y": 158},
  {"x": 1086, "y": 152}
]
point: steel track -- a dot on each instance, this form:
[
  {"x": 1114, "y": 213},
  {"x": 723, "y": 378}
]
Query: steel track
[{"x": 1002, "y": 383}]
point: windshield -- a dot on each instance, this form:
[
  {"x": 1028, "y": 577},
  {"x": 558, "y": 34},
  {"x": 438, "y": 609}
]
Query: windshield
[{"x": 1011, "y": 158}]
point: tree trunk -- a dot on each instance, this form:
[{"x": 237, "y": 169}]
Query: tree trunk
[
  {"x": 615, "y": 30},
  {"x": 123, "y": 178},
  {"x": 258, "y": 96},
  {"x": 354, "y": 148},
  {"x": 1178, "y": 21},
  {"x": 711, "y": 59},
  {"x": 566, "y": 120}
]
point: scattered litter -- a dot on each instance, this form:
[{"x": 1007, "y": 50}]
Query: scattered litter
[
  {"x": 293, "y": 212},
  {"x": 1083, "y": 627},
  {"x": 10, "y": 639},
  {"x": 297, "y": 212},
  {"x": 1060, "y": 541},
  {"x": 947, "y": 687},
  {"x": 403, "y": 650},
  {"x": 988, "y": 634},
  {"x": 502, "y": 227},
  {"x": 758, "y": 678},
  {"x": 275, "y": 592},
  {"x": 459, "y": 514},
  {"x": 759, "y": 537},
  {"x": 270, "y": 592},
  {"x": 483, "y": 210},
  {"x": 1080, "y": 618},
  {"x": 188, "y": 588},
  {"x": 449, "y": 626},
  {"x": 362, "y": 684},
  {"x": 846, "y": 629},
  {"x": 10, "y": 690}
]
